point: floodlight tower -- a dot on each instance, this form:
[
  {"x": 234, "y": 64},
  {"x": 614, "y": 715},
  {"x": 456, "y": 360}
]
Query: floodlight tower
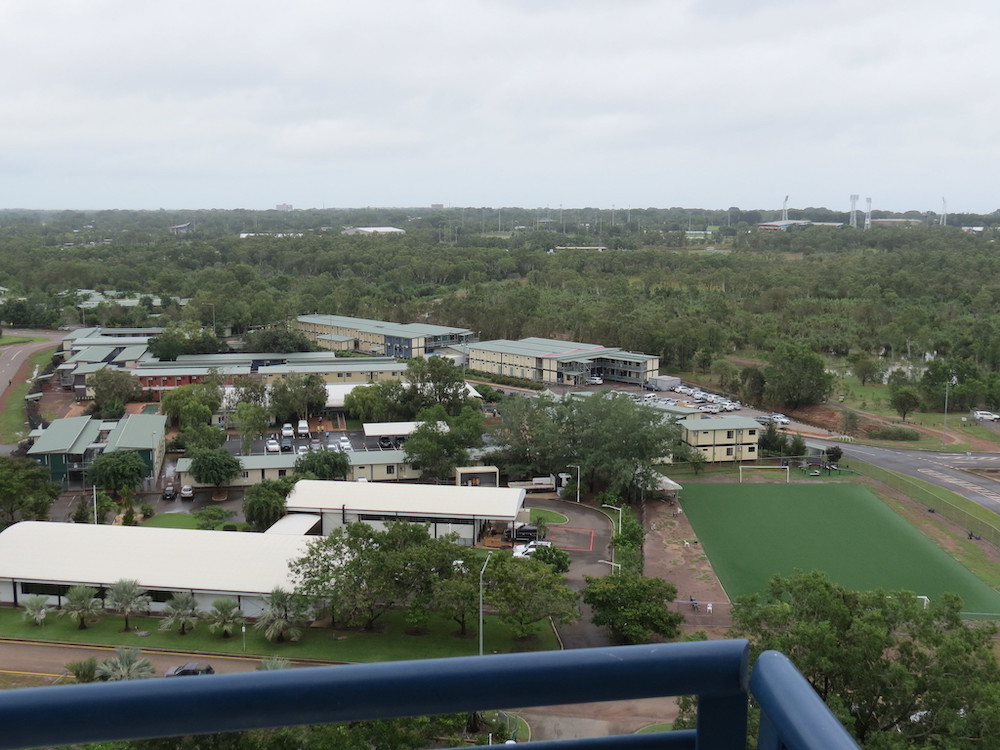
[
  {"x": 784, "y": 210},
  {"x": 943, "y": 219},
  {"x": 854, "y": 211},
  {"x": 868, "y": 214}
]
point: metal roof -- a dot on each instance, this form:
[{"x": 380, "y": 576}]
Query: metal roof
[
  {"x": 222, "y": 561},
  {"x": 720, "y": 423},
  {"x": 427, "y": 500},
  {"x": 137, "y": 432},
  {"x": 297, "y": 524},
  {"x": 71, "y": 435},
  {"x": 401, "y": 330}
]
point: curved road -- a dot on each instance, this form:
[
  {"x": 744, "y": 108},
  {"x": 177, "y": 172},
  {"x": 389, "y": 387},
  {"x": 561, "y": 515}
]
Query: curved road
[{"x": 587, "y": 538}]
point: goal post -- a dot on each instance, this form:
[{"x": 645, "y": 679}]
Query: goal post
[{"x": 788, "y": 476}]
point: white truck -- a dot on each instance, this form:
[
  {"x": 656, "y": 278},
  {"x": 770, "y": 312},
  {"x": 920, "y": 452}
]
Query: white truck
[{"x": 535, "y": 484}]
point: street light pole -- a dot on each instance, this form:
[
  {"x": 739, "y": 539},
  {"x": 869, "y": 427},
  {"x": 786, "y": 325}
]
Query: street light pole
[
  {"x": 481, "y": 572},
  {"x": 616, "y": 567},
  {"x": 577, "y": 467},
  {"x": 947, "y": 385}
]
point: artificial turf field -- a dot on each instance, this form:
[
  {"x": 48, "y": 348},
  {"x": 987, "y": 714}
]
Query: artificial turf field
[{"x": 751, "y": 532}]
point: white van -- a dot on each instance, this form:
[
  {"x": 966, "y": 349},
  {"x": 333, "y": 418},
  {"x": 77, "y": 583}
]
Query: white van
[{"x": 303, "y": 428}]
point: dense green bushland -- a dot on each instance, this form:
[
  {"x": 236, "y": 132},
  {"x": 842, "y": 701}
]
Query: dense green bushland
[{"x": 901, "y": 293}]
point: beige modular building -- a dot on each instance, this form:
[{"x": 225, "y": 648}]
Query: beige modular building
[
  {"x": 722, "y": 438},
  {"x": 403, "y": 340},
  {"x": 557, "y": 362}
]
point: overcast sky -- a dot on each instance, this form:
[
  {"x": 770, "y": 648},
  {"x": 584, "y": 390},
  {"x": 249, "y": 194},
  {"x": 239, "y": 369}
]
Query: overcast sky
[{"x": 533, "y": 103}]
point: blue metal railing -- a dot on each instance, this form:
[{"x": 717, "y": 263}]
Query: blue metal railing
[{"x": 715, "y": 671}]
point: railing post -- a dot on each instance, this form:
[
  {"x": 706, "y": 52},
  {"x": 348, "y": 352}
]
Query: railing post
[{"x": 793, "y": 716}]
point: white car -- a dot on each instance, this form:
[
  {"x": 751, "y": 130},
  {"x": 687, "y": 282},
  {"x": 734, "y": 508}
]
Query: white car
[
  {"x": 287, "y": 430},
  {"x": 302, "y": 450},
  {"x": 527, "y": 550},
  {"x": 780, "y": 419},
  {"x": 595, "y": 380},
  {"x": 273, "y": 446},
  {"x": 345, "y": 444}
]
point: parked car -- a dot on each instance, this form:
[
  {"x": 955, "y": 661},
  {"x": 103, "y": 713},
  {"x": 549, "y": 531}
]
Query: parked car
[
  {"x": 345, "y": 443},
  {"x": 187, "y": 492},
  {"x": 315, "y": 445},
  {"x": 780, "y": 419},
  {"x": 303, "y": 428},
  {"x": 191, "y": 668},
  {"x": 525, "y": 532},
  {"x": 286, "y": 445},
  {"x": 527, "y": 550},
  {"x": 385, "y": 443},
  {"x": 595, "y": 380},
  {"x": 302, "y": 450},
  {"x": 287, "y": 430},
  {"x": 169, "y": 492},
  {"x": 985, "y": 416},
  {"x": 273, "y": 446}
]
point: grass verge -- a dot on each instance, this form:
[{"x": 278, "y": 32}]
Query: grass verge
[
  {"x": 13, "y": 427},
  {"x": 392, "y": 642}
]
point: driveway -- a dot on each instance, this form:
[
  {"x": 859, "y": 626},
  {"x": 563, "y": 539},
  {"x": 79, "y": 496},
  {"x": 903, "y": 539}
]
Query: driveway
[{"x": 587, "y": 538}]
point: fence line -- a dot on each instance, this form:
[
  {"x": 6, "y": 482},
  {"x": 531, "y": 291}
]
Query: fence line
[{"x": 934, "y": 502}]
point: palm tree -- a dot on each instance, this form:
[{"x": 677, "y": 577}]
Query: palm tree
[
  {"x": 36, "y": 608},
  {"x": 81, "y": 604},
  {"x": 273, "y": 663},
  {"x": 126, "y": 664},
  {"x": 224, "y": 615},
  {"x": 83, "y": 671},
  {"x": 282, "y": 618},
  {"x": 181, "y": 610},
  {"x": 127, "y": 596}
]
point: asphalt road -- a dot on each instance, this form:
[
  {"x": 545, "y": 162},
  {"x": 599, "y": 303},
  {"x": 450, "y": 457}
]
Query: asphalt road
[
  {"x": 587, "y": 538},
  {"x": 50, "y": 659},
  {"x": 942, "y": 468}
]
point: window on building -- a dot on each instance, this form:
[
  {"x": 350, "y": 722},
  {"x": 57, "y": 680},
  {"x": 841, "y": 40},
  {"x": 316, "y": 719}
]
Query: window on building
[
  {"x": 282, "y": 472},
  {"x": 729, "y": 451},
  {"x": 390, "y": 469},
  {"x": 245, "y": 474},
  {"x": 729, "y": 434},
  {"x": 751, "y": 449}
]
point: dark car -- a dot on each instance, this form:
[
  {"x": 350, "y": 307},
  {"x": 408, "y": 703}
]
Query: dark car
[
  {"x": 169, "y": 492},
  {"x": 385, "y": 443},
  {"x": 525, "y": 532},
  {"x": 191, "y": 668},
  {"x": 286, "y": 445}
]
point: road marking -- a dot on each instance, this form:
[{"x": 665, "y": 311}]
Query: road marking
[
  {"x": 961, "y": 483},
  {"x": 29, "y": 674}
]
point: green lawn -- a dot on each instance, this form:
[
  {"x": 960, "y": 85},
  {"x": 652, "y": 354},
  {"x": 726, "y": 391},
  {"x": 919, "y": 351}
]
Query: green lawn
[
  {"x": 752, "y": 532},
  {"x": 172, "y": 521},
  {"x": 12, "y": 420},
  {"x": 548, "y": 517},
  {"x": 11, "y": 340}
]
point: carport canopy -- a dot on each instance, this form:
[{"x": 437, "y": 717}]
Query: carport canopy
[{"x": 395, "y": 429}]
